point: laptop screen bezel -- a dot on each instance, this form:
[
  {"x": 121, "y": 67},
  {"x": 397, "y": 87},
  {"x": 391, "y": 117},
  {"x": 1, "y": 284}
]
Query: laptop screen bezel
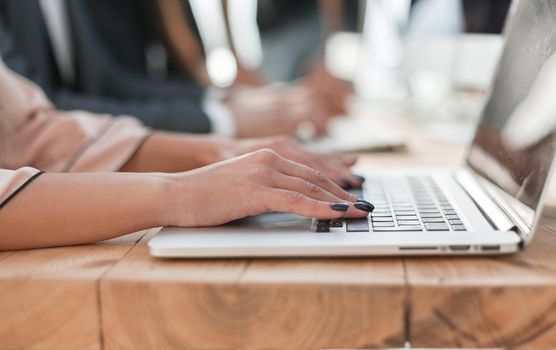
[{"x": 504, "y": 199}]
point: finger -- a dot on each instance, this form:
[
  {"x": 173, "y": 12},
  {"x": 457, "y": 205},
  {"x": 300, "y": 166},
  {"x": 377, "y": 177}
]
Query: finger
[
  {"x": 348, "y": 161},
  {"x": 317, "y": 177},
  {"x": 297, "y": 203},
  {"x": 296, "y": 184},
  {"x": 334, "y": 169},
  {"x": 334, "y": 161},
  {"x": 314, "y": 161},
  {"x": 311, "y": 190}
]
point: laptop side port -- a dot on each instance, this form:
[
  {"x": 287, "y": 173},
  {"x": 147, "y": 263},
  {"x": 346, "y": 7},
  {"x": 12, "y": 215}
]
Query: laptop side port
[
  {"x": 459, "y": 248},
  {"x": 418, "y": 248},
  {"x": 490, "y": 248}
]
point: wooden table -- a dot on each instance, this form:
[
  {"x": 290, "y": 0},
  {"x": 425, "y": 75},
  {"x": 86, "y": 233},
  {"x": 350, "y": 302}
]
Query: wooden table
[{"x": 113, "y": 295}]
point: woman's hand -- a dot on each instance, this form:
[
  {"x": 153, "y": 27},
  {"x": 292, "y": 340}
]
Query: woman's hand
[
  {"x": 271, "y": 111},
  {"x": 333, "y": 166},
  {"x": 173, "y": 152},
  {"x": 91, "y": 207},
  {"x": 257, "y": 183}
]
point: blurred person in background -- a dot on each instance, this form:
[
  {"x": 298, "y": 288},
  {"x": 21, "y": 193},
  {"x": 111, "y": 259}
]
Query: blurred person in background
[{"x": 94, "y": 55}]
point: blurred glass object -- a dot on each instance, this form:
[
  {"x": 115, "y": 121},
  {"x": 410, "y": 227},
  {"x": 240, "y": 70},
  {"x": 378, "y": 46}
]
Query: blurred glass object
[
  {"x": 342, "y": 54},
  {"x": 379, "y": 76},
  {"x": 242, "y": 15},
  {"x": 426, "y": 20},
  {"x": 221, "y": 62}
]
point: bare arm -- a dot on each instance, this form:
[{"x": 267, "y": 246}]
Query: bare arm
[
  {"x": 332, "y": 13},
  {"x": 175, "y": 152},
  {"x": 67, "y": 209}
]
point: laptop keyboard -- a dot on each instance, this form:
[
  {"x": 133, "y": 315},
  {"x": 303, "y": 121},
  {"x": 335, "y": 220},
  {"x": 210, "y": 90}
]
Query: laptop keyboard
[{"x": 402, "y": 205}]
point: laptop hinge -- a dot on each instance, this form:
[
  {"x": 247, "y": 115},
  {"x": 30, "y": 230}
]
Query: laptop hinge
[{"x": 497, "y": 216}]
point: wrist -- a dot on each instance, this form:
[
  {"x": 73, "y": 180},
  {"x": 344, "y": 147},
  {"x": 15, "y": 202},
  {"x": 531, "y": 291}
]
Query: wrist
[
  {"x": 168, "y": 199},
  {"x": 215, "y": 149}
]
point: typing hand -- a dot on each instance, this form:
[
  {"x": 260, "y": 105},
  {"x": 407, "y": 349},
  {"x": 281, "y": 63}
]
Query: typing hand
[
  {"x": 334, "y": 167},
  {"x": 253, "y": 184}
]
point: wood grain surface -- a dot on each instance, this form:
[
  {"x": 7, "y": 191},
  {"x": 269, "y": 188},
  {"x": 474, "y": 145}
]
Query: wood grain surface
[
  {"x": 150, "y": 303},
  {"x": 486, "y": 302},
  {"x": 49, "y": 297}
]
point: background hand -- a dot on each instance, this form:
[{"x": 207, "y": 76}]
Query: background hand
[{"x": 275, "y": 110}]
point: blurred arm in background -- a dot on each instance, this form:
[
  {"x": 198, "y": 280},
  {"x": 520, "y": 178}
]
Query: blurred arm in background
[
  {"x": 99, "y": 83},
  {"x": 258, "y": 110},
  {"x": 333, "y": 92}
]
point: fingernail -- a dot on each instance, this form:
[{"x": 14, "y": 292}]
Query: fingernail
[
  {"x": 339, "y": 206},
  {"x": 364, "y": 206},
  {"x": 359, "y": 177},
  {"x": 361, "y": 200},
  {"x": 345, "y": 183}
]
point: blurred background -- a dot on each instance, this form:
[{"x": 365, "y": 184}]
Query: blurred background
[{"x": 357, "y": 64}]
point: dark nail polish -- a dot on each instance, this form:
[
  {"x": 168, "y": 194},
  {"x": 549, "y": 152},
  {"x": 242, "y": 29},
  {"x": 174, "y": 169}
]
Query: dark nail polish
[
  {"x": 361, "y": 200},
  {"x": 363, "y": 206},
  {"x": 359, "y": 177},
  {"x": 339, "y": 206},
  {"x": 345, "y": 183}
]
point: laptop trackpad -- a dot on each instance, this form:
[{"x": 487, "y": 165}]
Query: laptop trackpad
[{"x": 273, "y": 222}]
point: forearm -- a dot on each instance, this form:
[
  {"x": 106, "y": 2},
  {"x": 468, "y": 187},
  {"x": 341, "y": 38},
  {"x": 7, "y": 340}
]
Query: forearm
[
  {"x": 332, "y": 13},
  {"x": 67, "y": 209},
  {"x": 174, "y": 152}
]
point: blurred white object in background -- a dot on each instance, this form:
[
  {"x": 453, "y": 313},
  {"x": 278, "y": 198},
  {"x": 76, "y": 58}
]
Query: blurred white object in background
[
  {"x": 342, "y": 55},
  {"x": 244, "y": 29},
  {"x": 221, "y": 63},
  {"x": 430, "y": 18},
  {"x": 358, "y": 134},
  {"x": 379, "y": 73},
  {"x": 465, "y": 60},
  {"x": 449, "y": 77}
]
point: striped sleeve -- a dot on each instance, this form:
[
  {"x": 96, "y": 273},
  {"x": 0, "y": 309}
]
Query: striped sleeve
[
  {"x": 55, "y": 141},
  {"x": 14, "y": 181}
]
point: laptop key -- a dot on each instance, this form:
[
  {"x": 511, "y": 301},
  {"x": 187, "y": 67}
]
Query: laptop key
[
  {"x": 357, "y": 225},
  {"x": 381, "y": 215},
  {"x": 429, "y": 211},
  {"x": 455, "y": 222},
  {"x": 383, "y": 224},
  {"x": 408, "y": 223},
  {"x": 336, "y": 223},
  {"x": 431, "y": 215},
  {"x": 407, "y": 217},
  {"x": 436, "y": 227},
  {"x": 323, "y": 225},
  {"x": 404, "y": 212},
  {"x": 433, "y": 220},
  {"x": 383, "y": 219},
  {"x": 452, "y": 217},
  {"x": 459, "y": 228},
  {"x": 427, "y": 207},
  {"x": 398, "y": 229}
]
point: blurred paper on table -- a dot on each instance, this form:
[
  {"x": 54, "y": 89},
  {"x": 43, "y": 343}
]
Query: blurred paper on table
[{"x": 359, "y": 134}]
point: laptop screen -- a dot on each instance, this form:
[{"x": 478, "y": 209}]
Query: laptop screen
[{"x": 515, "y": 141}]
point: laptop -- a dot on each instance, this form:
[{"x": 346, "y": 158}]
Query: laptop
[{"x": 491, "y": 205}]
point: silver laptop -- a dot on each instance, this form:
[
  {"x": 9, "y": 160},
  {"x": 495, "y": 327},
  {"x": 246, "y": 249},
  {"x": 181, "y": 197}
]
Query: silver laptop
[{"x": 491, "y": 205}]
